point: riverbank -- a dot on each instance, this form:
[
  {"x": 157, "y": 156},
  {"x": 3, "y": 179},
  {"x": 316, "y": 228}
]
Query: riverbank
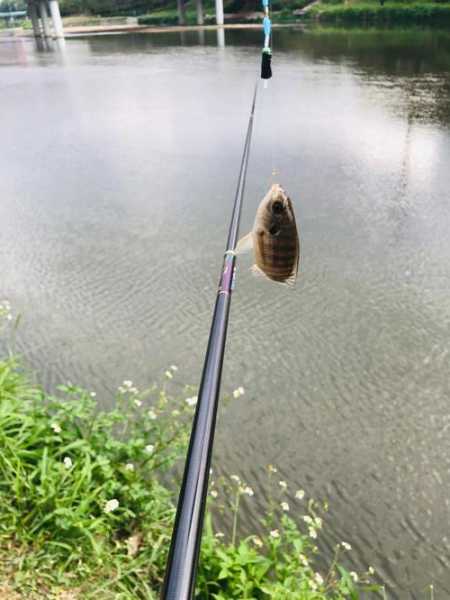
[
  {"x": 373, "y": 12},
  {"x": 88, "y": 512},
  {"x": 75, "y": 31},
  {"x": 366, "y": 12}
]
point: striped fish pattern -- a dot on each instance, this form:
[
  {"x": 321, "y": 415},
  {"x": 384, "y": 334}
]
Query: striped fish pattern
[{"x": 274, "y": 238}]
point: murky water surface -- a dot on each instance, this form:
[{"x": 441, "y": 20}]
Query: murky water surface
[{"x": 118, "y": 162}]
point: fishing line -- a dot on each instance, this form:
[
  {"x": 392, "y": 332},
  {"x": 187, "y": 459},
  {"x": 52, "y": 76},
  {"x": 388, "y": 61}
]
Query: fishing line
[{"x": 266, "y": 72}]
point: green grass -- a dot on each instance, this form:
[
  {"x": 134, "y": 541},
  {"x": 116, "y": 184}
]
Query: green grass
[
  {"x": 393, "y": 12},
  {"x": 88, "y": 504},
  {"x": 170, "y": 17},
  {"x": 90, "y": 20}
]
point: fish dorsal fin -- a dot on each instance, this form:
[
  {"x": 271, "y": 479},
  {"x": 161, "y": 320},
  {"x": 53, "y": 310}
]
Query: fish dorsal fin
[
  {"x": 245, "y": 244},
  {"x": 291, "y": 281}
]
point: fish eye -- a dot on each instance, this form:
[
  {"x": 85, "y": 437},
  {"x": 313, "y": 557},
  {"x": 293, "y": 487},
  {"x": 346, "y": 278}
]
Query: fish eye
[
  {"x": 274, "y": 230},
  {"x": 277, "y": 207}
]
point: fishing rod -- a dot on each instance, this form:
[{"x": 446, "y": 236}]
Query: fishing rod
[{"x": 181, "y": 569}]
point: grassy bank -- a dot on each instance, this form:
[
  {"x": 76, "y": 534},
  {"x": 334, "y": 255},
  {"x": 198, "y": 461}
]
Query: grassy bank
[
  {"x": 87, "y": 504},
  {"x": 235, "y": 12},
  {"x": 170, "y": 17},
  {"x": 367, "y": 11}
]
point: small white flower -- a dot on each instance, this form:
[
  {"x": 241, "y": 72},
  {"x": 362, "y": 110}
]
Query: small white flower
[
  {"x": 151, "y": 414},
  {"x": 127, "y": 383},
  {"x": 235, "y": 478},
  {"x": 219, "y": 534},
  {"x": 133, "y": 390},
  {"x": 137, "y": 402},
  {"x": 307, "y": 519},
  {"x": 174, "y": 367},
  {"x": 257, "y": 541},
  {"x": 354, "y": 576},
  {"x": 129, "y": 467},
  {"x": 248, "y": 491},
  {"x": 56, "y": 428},
  {"x": 303, "y": 560},
  {"x": 149, "y": 449},
  {"x": 313, "y": 585},
  {"x": 371, "y": 571},
  {"x": 191, "y": 401},
  {"x": 283, "y": 485},
  {"x": 346, "y": 546},
  {"x": 238, "y": 392},
  {"x": 213, "y": 493},
  {"x": 319, "y": 579},
  {"x": 9, "y": 317},
  {"x": 284, "y": 506},
  {"x": 318, "y": 522},
  {"x": 168, "y": 374},
  {"x": 272, "y": 469},
  {"x": 274, "y": 533},
  {"x": 67, "y": 462},
  {"x": 300, "y": 494},
  {"x": 111, "y": 505},
  {"x": 312, "y": 533},
  {"x": 93, "y": 394}
]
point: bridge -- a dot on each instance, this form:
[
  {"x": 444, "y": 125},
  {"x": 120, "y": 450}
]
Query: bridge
[
  {"x": 13, "y": 14},
  {"x": 46, "y": 19}
]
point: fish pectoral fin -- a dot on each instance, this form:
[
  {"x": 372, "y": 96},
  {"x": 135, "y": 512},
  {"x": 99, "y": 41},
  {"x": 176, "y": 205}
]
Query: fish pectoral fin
[
  {"x": 245, "y": 244},
  {"x": 257, "y": 272}
]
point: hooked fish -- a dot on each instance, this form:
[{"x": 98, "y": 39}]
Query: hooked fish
[{"x": 274, "y": 238}]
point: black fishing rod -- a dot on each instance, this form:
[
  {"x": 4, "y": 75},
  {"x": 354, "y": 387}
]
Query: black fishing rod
[
  {"x": 182, "y": 563},
  {"x": 181, "y": 569}
]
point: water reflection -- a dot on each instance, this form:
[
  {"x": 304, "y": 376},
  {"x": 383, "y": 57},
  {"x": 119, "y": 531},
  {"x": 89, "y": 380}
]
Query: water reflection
[
  {"x": 414, "y": 63},
  {"x": 201, "y": 37},
  {"x": 221, "y": 37}
]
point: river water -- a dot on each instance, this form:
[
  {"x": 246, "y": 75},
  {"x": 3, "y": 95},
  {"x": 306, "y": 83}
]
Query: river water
[{"x": 119, "y": 158}]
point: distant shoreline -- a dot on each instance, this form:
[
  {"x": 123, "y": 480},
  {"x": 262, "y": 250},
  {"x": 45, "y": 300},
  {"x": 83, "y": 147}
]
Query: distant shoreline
[
  {"x": 372, "y": 12},
  {"x": 345, "y": 13},
  {"x": 81, "y": 30}
]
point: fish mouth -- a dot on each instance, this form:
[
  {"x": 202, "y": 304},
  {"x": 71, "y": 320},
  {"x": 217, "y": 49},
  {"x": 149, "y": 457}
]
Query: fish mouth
[{"x": 277, "y": 207}]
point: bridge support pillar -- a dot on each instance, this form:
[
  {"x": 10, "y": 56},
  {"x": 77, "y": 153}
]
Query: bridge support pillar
[
  {"x": 199, "y": 6},
  {"x": 35, "y": 20},
  {"x": 56, "y": 18},
  {"x": 44, "y": 19},
  {"x": 219, "y": 12}
]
